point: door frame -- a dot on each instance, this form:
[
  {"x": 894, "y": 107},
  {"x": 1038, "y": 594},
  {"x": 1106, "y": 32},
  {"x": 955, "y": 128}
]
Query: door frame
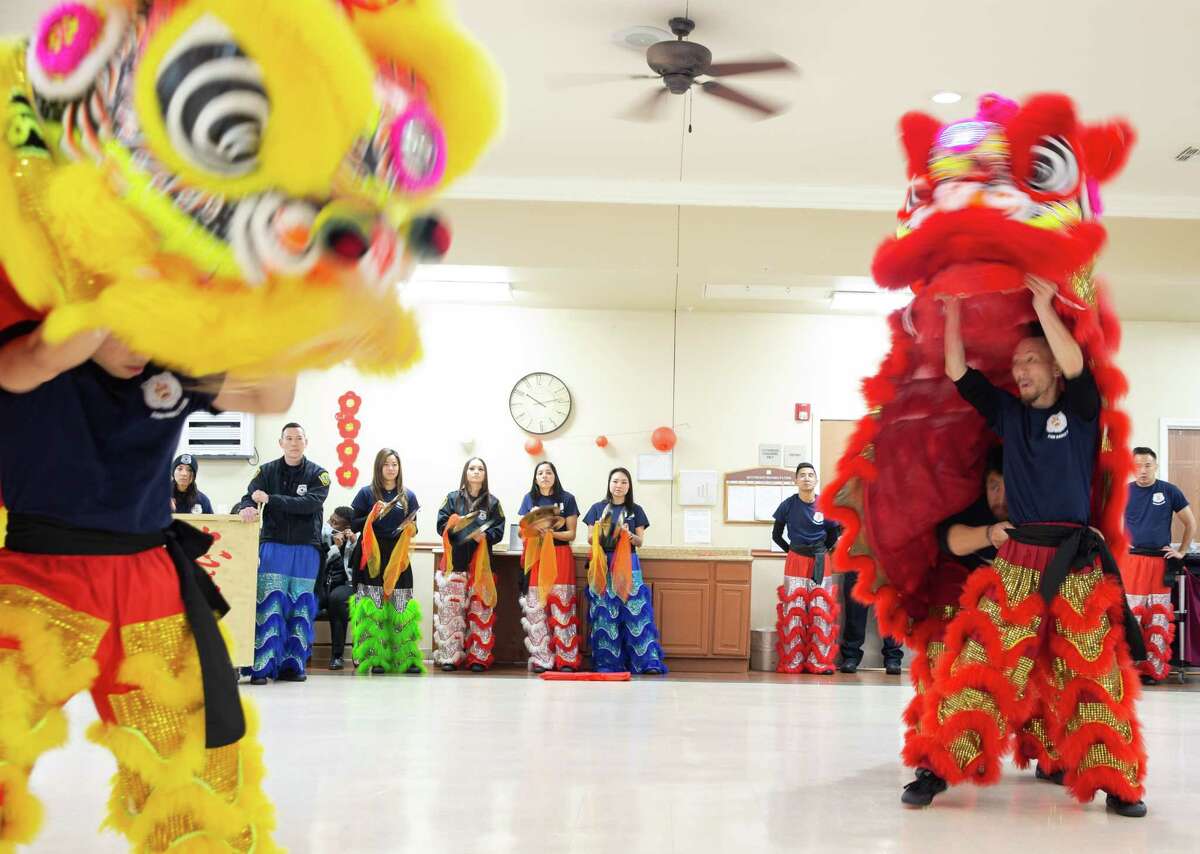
[{"x": 1165, "y": 426}]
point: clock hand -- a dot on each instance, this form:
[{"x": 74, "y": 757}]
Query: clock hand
[{"x": 534, "y": 399}]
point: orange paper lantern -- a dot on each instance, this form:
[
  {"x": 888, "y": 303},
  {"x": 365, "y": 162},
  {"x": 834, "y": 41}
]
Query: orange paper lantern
[
  {"x": 663, "y": 438},
  {"x": 601, "y": 441},
  {"x": 533, "y": 447}
]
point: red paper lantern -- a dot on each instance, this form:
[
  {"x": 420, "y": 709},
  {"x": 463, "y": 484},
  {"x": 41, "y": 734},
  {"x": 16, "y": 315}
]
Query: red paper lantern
[
  {"x": 663, "y": 438},
  {"x": 533, "y": 447},
  {"x": 601, "y": 441}
]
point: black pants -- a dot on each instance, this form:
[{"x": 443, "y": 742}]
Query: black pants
[
  {"x": 336, "y": 605},
  {"x": 854, "y": 630}
]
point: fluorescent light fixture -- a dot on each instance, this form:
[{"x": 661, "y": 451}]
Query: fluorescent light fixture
[
  {"x": 869, "y": 302},
  {"x": 434, "y": 291},
  {"x": 461, "y": 273},
  {"x": 946, "y": 98}
]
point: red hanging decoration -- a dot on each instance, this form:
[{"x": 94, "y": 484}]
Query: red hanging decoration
[
  {"x": 533, "y": 447},
  {"x": 601, "y": 441},
  {"x": 663, "y": 439},
  {"x": 348, "y": 427}
]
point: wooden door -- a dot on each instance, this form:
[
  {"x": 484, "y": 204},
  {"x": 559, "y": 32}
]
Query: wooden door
[
  {"x": 835, "y": 435},
  {"x": 1183, "y": 452}
]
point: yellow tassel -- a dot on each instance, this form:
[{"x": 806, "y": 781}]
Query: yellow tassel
[
  {"x": 398, "y": 562},
  {"x": 548, "y": 567},
  {"x": 483, "y": 583},
  {"x": 597, "y": 565},
  {"x": 20, "y": 811}
]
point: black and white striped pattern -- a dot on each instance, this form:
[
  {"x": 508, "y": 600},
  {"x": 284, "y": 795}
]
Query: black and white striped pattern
[
  {"x": 1054, "y": 167},
  {"x": 213, "y": 101}
]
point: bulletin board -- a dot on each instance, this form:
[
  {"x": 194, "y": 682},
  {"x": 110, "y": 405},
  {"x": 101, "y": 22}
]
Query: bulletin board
[
  {"x": 232, "y": 563},
  {"x": 753, "y": 495}
]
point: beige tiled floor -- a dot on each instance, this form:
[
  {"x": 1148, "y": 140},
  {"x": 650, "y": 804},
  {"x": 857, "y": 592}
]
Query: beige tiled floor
[{"x": 485, "y": 764}]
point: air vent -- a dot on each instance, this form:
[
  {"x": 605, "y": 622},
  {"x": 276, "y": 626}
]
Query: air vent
[
  {"x": 229, "y": 435},
  {"x": 1187, "y": 154}
]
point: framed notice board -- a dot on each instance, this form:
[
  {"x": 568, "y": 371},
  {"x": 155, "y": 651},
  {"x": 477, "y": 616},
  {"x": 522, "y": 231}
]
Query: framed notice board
[{"x": 752, "y": 495}]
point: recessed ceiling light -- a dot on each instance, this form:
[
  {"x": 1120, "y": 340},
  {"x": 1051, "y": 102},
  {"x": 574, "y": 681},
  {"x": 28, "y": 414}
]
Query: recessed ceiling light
[
  {"x": 946, "y": 98},
  {"x": 640, "y": 38}
]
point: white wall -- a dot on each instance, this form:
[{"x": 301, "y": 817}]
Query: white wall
[{"x": 730, "y": 379}]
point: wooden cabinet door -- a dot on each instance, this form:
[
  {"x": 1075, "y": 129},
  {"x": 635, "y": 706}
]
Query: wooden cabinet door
[
  {"x": 731, "y": 620},
  {"x": 683, "y": 613}
]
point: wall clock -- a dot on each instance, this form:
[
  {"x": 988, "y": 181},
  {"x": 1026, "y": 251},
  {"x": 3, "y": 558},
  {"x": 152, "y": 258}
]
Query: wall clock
[{"x": 539, "y": 403}]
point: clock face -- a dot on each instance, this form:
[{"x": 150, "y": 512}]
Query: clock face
[{"x": 540, "y": 403}]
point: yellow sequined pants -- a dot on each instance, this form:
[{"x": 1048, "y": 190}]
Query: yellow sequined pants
[
  {"x": 1055, "y": 678},
  {"x": 112, "y": 625}
]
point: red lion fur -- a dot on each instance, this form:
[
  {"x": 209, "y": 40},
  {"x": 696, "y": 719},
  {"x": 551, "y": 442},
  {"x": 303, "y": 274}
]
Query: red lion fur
[{"x": 918, "y": 456}]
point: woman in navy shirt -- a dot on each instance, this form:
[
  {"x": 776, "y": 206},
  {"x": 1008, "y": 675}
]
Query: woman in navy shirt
[
  {"x": 385, "y": 619},
  {"x": 470, "y": 522},
  {"x": 806, "y": 627},
  {"x": 551, "y": 624},
  {"x": 620, "y": 609},
  {"x": 185, "y": 497}
]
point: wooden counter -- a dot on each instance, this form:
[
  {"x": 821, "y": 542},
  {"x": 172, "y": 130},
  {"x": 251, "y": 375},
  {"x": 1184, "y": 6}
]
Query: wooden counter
[{"x": 701, "y": 605}]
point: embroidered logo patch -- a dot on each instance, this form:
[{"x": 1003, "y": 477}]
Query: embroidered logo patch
[
  {"x": 1159, "y": 499},
  {"x": 302, "y": 489},
  {"x": 162, "y": 391},
  {"x": 1056, "y": 425},
  {"x": 324, "y": 478},
  {"x": 819, "y": 517}
]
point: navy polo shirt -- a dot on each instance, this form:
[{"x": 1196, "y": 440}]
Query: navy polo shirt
[
  {"x": 1149, "y": 511},
  {"x": 806, "y": 525},
  {"x": 566, "y": 499},
  {"x": 1049, "y": 454},
  {"x": 89, "y": 450},
  {"x": 635, "y": 516}
]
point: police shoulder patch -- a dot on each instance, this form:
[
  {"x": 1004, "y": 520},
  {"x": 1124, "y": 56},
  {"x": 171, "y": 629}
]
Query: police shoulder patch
[{"x": 324, "y": 478}]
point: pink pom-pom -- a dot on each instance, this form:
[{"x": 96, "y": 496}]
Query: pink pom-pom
[
  {"x": 996, "y": 108},
  {"x": 66, "y": 36}
]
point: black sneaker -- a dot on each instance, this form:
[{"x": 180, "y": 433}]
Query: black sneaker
[
  {"x": 291, "y": 676},
  {"x": 921, "y": 791},
  {"x": 1056, "y": 778},
  {"x": 477, "y": 668},
  {"x": 1129, "y": 809},
  {"x": 258, "y": 680},
  {"x": 376, "y": 670},
  {"x": 849, "y": 667},
  {"x": 537, "y": 668},
  {"x": 1147, "y": 679},
  {"x": 566, "y": 668},
  {"x": 336, "y": 664},
  {"x": 414, "y": 669},
  {"x": 892, "y": 668},
  {"x": 449, "y": 668}
]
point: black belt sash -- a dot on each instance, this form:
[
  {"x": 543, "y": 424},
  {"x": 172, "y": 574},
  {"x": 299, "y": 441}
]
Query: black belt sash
[
  {"x": 224, "y": 722},
  {"x": 1173, "y": 565},
  {"x": 817, "y": 553},
  {"x": 1077, "y": 547}
]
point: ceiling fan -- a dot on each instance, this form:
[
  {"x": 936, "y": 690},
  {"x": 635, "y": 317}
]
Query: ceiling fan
[{"x": 677, "y": 65}]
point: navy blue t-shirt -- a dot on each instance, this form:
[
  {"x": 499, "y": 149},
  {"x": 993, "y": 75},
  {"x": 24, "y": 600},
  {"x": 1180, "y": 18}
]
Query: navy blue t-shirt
[
  {"x": 806, "y": 525},
  {"x": 89, "y": 450},
  {"x": 566, "y": 499},
  {"x": 1049, "y": 454},
  {"x": 1149, "y": 511},
  {"x": 978, "y": 515},
  {"x": 636, "y": 517}
]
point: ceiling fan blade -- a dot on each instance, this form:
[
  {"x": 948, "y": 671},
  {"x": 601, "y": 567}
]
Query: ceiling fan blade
[
  {"x": 569, "y": 79},
  {"x": 649, "y": 108},
  {"x": 720, "y": 90},
  {"x": 750, "y": 66}
]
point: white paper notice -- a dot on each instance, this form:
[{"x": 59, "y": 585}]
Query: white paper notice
[
  {"x": 698, "y": 488},
  {"x": 654, "y": 467},
  {"x": 740, "y": 504},
  {"x": 766, "y": 500},
  {"x": 793, "y": 455},
  {"x": 697, "y": 527},
  {"x": 770, "y": 455}
]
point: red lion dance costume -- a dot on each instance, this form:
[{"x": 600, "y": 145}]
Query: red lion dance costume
[{"x": 1011, "y": 192}]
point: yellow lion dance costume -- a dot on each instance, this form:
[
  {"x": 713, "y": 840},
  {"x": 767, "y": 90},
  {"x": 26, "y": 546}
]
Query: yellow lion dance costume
[{"x": 226, "y": 186}]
